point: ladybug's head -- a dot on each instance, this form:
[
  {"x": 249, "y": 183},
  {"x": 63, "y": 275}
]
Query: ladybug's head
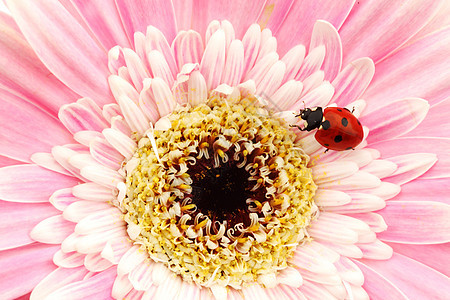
[{"x": 313, "y": 118}]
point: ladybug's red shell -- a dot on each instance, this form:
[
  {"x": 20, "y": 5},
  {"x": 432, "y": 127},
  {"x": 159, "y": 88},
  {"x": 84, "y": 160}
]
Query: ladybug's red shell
[{"x": 340, "y": 129}]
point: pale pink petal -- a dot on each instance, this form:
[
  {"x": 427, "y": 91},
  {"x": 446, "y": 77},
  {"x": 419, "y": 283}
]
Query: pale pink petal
[
  {"x": 437, "y": 114},
  {"x": 97, "y": 287},
  {"x": 274, "y": 13},
  {"x": 347, "y": 250},
  {"x": 136, "y": 68},
  {"x": 234, "y": 65},
  {"x": 271, "y": 81},
  {"x": 77, "y": 117},
  {"x": 159, "y": 66},
  {"x": 121, "y": 142},
  {"x": 141, "y": 276},
  {"x": 104, "y": 20},
  {"x": 313, "y": 81},
  {"x": 411, "y": 166},
  {"x": 227, "y": 28},
  {"x": 320, "y": 96},
  {"x": 137, "y": 15},
  {"x": 197, "y": 92},
  {"x": 120, "y": 87},
  {"x": 162, "y": 96},
  {"x": 293, "y": 60},
  {"x": 286, "y": 95},
  {"x": 405, "y": 274},
  {"x": 213, "y": 60},
  {"x": 359, "y": 180},
  {"x": 46, "y": 160},
  {"x": 121, "y": 287},
  {"x": 361, "y": 202},
  {"x": 105, "y": 154},
  {"x": 95, "y": 242},
  {"x": 62, "y": 198},
  {"x": 312, "y": 291},
  {"x": 64, "y": 47},
  {"x": 80, "y": 209},
  {"x": 352, "y": 81},
  {"x": 374, "y": 220},
  {"x": 155, "y": 40},
  {"x": 251, "y": 42},
  {"x": 440, "y": 20},
  {"x": 406, "y": 73},
  {"x": 102, "y": 220},
  {"x": 52, "y": 230},
  {"x": 379, "y": 287},
  {"x": 12, "y": 216},
  {"x": 31, "y": 183},
  {"x": 187, "y": 47},
  {"x": 380, "y": 168},
  {"x": 147, "y": 102},
  {"x": 333, "y": 171},
  {"x": 416, "y": 222},
  {"x": 168, "y": 289},
  {"x": 68, "y": 259},
  {"x": 325, "y": 34},
  {"x": 57, "y": 279},
  {"x": 430, "y": 255},
  {"x": 28, "y": 133},
  {"x": 299, "y": 22},
  {"x": 197, "y": 15},
  {"x": 255, "y": 292},
  {"x": 376, "y": 250},
  {"x": 410, "y": 145},
  {"x": 312, "y": 63},
  {"x": 130, "y": 260},
  {"x": 95, "y": 263},
  {"x": 63, "y": 154},
  {"x": 93, "y": 192},
  {"x": 101, "y": 175},
  {"x": 22, "y": 72},
  {"x": 134, "y": 116},
  {"x": 377, "y": 29},
  {"x": 22, "y": 268}
]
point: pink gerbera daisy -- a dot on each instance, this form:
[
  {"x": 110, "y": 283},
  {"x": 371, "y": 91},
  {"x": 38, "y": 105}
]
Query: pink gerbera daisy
[{"x": 147, "y": 150}]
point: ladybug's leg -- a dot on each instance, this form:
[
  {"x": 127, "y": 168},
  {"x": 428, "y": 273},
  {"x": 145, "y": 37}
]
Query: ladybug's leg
[
  {"x": 326, "y": 150},
  {"x": 299, "y": 128}
]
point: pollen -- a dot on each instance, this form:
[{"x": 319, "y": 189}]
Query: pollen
[{"x": 223, "y": 196}]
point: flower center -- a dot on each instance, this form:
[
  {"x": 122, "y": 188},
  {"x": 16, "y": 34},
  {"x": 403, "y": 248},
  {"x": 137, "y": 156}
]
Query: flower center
[{"x": 223, "y": 196}]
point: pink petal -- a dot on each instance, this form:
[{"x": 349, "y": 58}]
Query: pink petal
[
  {"x": 395, "y": 118},
  {"x": 121, "y": 142},
  {"x": 64, "y": 47},
  {"x": 12, "y": 216},
  {"x": 374, "y": 220},
  {"x": 409, "y": 145},
  {"x": 416, "y": 222},
  {"x": 352, "y": 81},
  {"x": 30, "y": 183},
  {"x": 134, "y": 116},
  {"x": 251, "y": 42},
  {"x": 379, "y": 287},
  {"x": 155, "y": 40},
  {"x": 23, "y": 72},
  {"x": 377, "y": 29},
  {"x": 299, "y": 23},
  {"x": 77, "y": 117},
  {"x": 159, "y": 66},
  {"x": 80, "y": 209},
  {"x": 439, "y": 20},
  {"x": 96, "y": 287},
  {"x": 325, "y": 34},
  {"x": 437, "y": 114},
  {"x": 57, "y": 279},
  {"x": 137, "y": 15},
  {"x": 435, "y": 190},
  {"x": 430, "y": 255},
  {"x": 6, "y": 161},
  {"x": 47, "y": 161},
  {"x": 286, "y": 95},
  {"x": 27, "y": 133},
  {"x": 187, "y": 48},
  {"x": 271, "y": 80},
  {"x": 52, "y": 230},
  {"x": 93, "y": 192},
  {"x": 411, "y": 166},
  {"x": 136, "y": 67},
  {"x": 197, "y": 15},
  {"x": 312, "y": 63},
  {"x": 102, "y": 175},
  {"x": 405, "y": 274},
  {"x": 68, "y": 259},
  {"x": 376, "y": 250},
  {"x": 406, "y": 73},
  {"x": 293, "y": 60},
  {"x": 105, "y": 154},
  {"x": 274, "y": 13},
  {"x": 213, "y": 60},
  {"x": 234, "y": 65},
  {"x": 95, "y": 263},
  {"x": 316, "y": 291},
  {"x": 22, "y": 268},
  {"x": 103, "y": 19},
  {"x": 163, "y": 97}
]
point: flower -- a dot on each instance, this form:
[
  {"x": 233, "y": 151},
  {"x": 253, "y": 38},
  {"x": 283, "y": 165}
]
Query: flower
[{"x": 147, "y": 153}]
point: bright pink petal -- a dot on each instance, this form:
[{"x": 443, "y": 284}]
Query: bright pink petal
[
  {"x": 103, "y": 19},
  {"x": 437, "y": 114},
  {"x": 395, "y": 118},
  {"x": 440, "y": 20},
  {"x": 407, "y": 73},
  {"x": 240, "y": 13},
  {"x": 64, "y": 46},
  {"x": 22, "y": 268},
  {"x": 375, "y": 29},
  {"x": 138, "y": 14},
  {"x": 30, "y": 183},
  {"x": 414, "y": 279},
  {"x": 6, "y": 161},
  {"x": 430, "y": 255},
  {"x": 325, "y": 34},
  {"x": 352, "y": 81},
  {"x": 96, "y": 287},
  {"x": 435, "y": 190},
  {"x": 416, "y": 222},
  {"x": 22, "y": 72},
  {"x": 410, "y": 166},
  {"x": 410, "y": 145},
  {"x": 299, "y": 23},
  {"x": 12, "y": 216},
  {"x": 377, "y": 286}
]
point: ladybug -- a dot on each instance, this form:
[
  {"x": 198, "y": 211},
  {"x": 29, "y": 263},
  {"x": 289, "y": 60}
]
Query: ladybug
[{"x": 338, "y": 128}]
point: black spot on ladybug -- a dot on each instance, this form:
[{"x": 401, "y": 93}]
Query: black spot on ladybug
[
  {"x": 339, "y": 109},
  {"x": 326, "y": 125},
  {"x": 327, "y": 145},
  {"x": 344, "y": 122},
  {"x": 359, "y": 123},
  {"x": 338, "y": 139}
]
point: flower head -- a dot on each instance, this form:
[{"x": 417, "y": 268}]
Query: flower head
[{"x": 151, "y": 150}]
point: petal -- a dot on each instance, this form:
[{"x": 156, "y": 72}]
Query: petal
[
  {"x": 416, "y": 222},
  {"x": 299, "y": 23},
  {"x": 22, "y": 268},
  {"x": 79, "y": 117},
  {"x": 30, "y": 183},
  {"x": 435, "y": 190},
  {"x": 97, "y": 287},
  {"x": 213, "y": 60},
  {"x": 52, "y": 230},
  {"x": 102, "y": 175},
  {"x": 64, "y": 46},
  {"x": 325, "y": 34},
  {"x": 121, "y": 142},
  {"x": 411, "y": 166},
  {"x": 377, "y": 29},
  {"x": 404, "y": 273},
  {"x": 352, "y": 81},
  {"x": 27, "y": 132},
  {"x": 410, "y": 145},
  {"x": 234, "y": 65},
  {"x": 137, "y": 15},
  {"x": 187, "y": 48},
  {"x": 103, "y": 19},
  {"x": 437, "y": 114},
  {"x": 407, "y": 73},
  {"x": 12, "y": 216},
  {"x": 22, "y": 72},
  {"x": 76, "y": 211}
]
